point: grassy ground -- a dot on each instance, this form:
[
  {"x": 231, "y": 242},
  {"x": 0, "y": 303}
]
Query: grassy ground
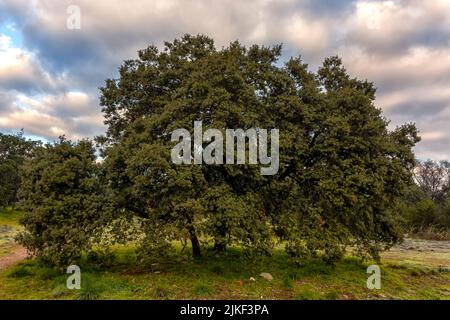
[
  {"x": 9, "y": 226},
  {"x": 431, "y": 233},
  {"x": 226, "y": 277}
]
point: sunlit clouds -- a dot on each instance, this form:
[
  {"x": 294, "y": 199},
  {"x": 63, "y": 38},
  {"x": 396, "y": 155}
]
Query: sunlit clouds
[{"x": 49, "y": 75}]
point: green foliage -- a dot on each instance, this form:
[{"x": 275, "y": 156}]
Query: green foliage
[
  {"x": 341, "y": 169},
  {"x": 14, "y": 149},
  {"x": 63, "y": 200},
  {"x": 424, "y": 213},
  {"x": 425, "y": 206}
]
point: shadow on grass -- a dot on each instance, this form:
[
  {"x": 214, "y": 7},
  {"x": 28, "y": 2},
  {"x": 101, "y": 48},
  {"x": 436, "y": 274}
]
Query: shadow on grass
[{"x": 231, "y": 275}]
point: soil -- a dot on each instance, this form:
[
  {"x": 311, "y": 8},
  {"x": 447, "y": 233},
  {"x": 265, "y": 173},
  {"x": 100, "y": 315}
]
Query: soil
[{"x": 16, "y": 254}]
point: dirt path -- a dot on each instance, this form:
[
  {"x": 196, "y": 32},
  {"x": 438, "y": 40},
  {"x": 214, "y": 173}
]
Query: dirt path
[
  {"x": 10, "y": 251},
  {"x": 17, "y": 254}
]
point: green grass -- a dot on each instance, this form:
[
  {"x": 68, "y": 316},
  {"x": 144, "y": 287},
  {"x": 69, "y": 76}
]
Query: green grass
[
  {"x": 308, "y": 293},
  {"x": 406, "y": 274},
  {"x": 9, "y": 226},
  {"x": 10, "y": 217},
  {"x": 91, "y": 288},
  {"x": 161, "y": 293},
  {"x": 201, "y": 288},
  {"x": 222, "y": 277}
]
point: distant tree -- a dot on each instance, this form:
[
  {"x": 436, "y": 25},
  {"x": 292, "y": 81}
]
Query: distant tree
[
  {"x": 423, "y": 214},
  {"x": 433, "y": 177},
  {"x": 426, "y": 204},
  {"x": 63, "y": 200},
  {"x": 341, "y": 169},
  {"x": 14, "y": 149}
]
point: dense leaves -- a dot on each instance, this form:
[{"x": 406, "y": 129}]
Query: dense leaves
[
  {"x": 14, "y": 149},
  {"x": 426, "y": 204},
  {"x": 340, "y": 178},
  {"x": 63, "y": 200},
  {"x": 341, "y": 169}
]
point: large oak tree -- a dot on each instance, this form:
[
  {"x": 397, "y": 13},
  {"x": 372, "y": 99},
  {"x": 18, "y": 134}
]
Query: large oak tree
[{"x": 341, "y": 168}]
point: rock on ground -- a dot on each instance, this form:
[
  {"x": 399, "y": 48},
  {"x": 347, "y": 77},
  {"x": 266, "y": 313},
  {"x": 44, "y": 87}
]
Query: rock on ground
[{"x": 266, "y": 276}]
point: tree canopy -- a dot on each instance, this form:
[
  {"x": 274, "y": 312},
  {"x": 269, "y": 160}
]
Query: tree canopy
[
  {"x": 64, "y": 201},
  {"x": 14, "y": 149},
  {"x": 341, "y": 168}
]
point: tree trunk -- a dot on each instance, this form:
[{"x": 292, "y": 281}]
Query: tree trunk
[{"x": 196, "y": 253}]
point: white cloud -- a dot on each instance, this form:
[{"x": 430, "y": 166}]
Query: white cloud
[
  {"x": 20, "y": 69},
  {"x": 402, "y": 45},
  {"x": 49, "y": 116}
]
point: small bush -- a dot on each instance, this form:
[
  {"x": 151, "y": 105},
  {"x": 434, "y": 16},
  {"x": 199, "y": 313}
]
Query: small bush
[{"x": 62, "y": 218}]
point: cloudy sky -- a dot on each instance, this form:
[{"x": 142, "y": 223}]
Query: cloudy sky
[{"x": 50, "y": 74}]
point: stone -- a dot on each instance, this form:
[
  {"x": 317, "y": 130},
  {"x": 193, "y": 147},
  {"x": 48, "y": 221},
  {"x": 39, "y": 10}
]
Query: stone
[{"x": 266, "y": 276}]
